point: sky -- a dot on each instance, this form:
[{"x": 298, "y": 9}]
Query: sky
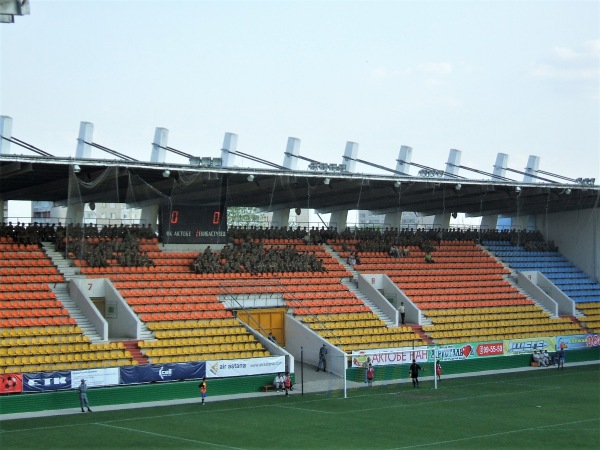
[{"x": 483, "y": 77}]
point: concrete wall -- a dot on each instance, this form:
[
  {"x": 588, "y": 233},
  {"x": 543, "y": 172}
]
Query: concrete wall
[
  {"x": 370, "y": 286},
  {"x": 304, "y": 342},
  {"x": 121, "y": 323},
  {"x": 546, "y": 293},
  {"x": 80, "y": 292},
  {"x": 577, "y": 234},
  {"x": 380, "y": 281}
]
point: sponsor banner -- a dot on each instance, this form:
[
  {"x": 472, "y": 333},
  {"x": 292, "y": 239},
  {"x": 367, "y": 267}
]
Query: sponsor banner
[
  {"x": 164, "y": 372},
  {"x": 593, "y": 340},
  {"x": 95, "y": 377},
  {"x": 46, "y": 381},
  {"x": 529, "y": 345},
  {"x": 241, "y": 367},
  {"x": 11, "y": 383},
  {"x": 454, "y": 352},
  {"x": 576, "y": 341},
  {"x": 389, "y": 357}
]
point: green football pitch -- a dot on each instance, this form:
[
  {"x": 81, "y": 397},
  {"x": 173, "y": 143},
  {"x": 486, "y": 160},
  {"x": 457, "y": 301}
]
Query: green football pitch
[{"x": 544, "y": 408}]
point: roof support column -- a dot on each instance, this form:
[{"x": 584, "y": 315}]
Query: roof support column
[
  {"x": 159, "y": 145},
  {"x": 394, "y": 218},
  {"x": 443, "y": 220},
  {"x": 149, "y": 213},
  {"x": 74, "y": 212},
  {"x": 527, "y": 222},
  {"x": 5, "y": 133},
  {"x": 281, "y": 217},
  {"x": 490, "y": 222},
  {"x": 292, "y": 150},
  {"x": 75, "y": 208},
  {"x": 86, "y": 134},
  {"x": 339, "y": 219},
  {"x": 228, "y": 150}
]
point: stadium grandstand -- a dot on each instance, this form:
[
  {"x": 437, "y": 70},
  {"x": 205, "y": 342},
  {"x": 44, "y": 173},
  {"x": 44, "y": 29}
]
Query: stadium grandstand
[{"x": 187, "y": 291}]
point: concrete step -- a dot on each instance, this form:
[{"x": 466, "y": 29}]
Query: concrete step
[
  {"x": 418, "y": 329},
  {"x": 135, "y": 351}
]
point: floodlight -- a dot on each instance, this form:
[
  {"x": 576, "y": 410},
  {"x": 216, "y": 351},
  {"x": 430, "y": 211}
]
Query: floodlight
[
  {"x": 76, "y": 168},
  {"x": 326, "y": 181},
  {"x": 166, "y": 173},
  {"x": 250, "y": 178}
]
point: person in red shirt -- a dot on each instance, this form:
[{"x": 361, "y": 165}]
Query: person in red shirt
[
  {"x": 202, "y": 387},
  {"x": 370, "y": 375},
  {"x": 287, "y": 383}
]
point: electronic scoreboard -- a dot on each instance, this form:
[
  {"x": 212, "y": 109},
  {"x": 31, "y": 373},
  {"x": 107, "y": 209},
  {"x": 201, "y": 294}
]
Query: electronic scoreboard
[{"x": 193, "y": 224}]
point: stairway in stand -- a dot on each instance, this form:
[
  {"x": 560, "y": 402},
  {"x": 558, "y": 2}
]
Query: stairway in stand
[
  {"x": 578, "y": 322},
  {"x": 419, "y": 330},
  {"x": 135, "y": 351}
]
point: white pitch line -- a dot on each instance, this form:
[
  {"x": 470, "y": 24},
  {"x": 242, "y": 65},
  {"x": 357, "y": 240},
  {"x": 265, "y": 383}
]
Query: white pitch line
[
  {"x": 169, "y": 436},
  {"x": 470, "y": 438},
  {"x": 448, "y": 400},
  {"x": 304, "y": 409}
]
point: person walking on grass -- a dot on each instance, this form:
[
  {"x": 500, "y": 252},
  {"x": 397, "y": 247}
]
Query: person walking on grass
[
  {"x": 83, "y": 399},
  {"x": 202, "y": 387},
  {"x": 322, "y": 359},
  {"x": 414, "y": 373}
]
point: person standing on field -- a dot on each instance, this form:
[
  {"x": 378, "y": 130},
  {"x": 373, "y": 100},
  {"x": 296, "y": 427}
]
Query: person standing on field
[
  {"x": 202, "y": 387},
  {"x": 370, "y": 375},
  {"x": 561, "y": 358},
  {"x": 438, "y": 369},
  {"x": 414, "y": 373},
  {"x": 83, "y": 400}
]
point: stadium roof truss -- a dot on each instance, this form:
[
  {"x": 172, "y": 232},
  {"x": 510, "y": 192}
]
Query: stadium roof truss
[{"x": 41, "y": 178}]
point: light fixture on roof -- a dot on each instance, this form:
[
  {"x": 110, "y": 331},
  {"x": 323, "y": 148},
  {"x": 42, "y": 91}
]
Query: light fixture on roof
[
  {"x": 250, "y": 177},
  {"x": 518, "y": 189},
  {"x": 166, "y": 173},
  {"x": 76, "y": 168},
  {"x": 568, "y": 191},
  {"x": 326, "y": 181},
  {"x": 397, "y": 184},
  {"x": 458, "y": 187}
]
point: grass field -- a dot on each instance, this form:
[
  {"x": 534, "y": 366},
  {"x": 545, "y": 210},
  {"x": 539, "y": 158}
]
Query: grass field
[{"x": 545, "y": 408}]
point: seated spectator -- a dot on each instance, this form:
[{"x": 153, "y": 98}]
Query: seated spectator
[
  {"x": 278, "y": 382},
  {"x": 351, "y": 259},
  {"x": 538, "y": 358},
  {"x": 546, "y": 358},
  {"x": 405, "y": 251},
  {"x": 428, "y": 258}
]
